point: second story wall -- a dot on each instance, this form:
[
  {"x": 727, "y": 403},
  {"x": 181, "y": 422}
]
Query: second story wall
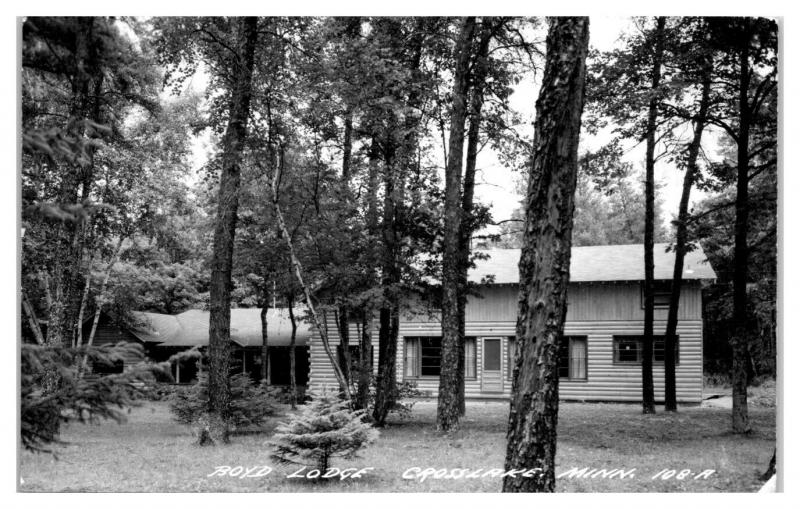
[{"x": 586, "y": 302}]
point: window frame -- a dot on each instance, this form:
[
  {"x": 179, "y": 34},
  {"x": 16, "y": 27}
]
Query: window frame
[
  {"x": 662, "y": 293},
  {"x": 417, "y": 368},
  {"x": 511, "y": 352},
  {"x": 570, "y": 338},
  {"x": 657, "y": 338},
  {"x": 474, "y": 341}
]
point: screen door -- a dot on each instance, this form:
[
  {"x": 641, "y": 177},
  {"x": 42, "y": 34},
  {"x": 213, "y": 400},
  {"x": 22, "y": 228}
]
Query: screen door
[{"x": 492, "y": 372}]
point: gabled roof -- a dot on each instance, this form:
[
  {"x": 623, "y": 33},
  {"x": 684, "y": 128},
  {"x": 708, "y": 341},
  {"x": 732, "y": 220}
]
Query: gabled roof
[
  {"x": 190, "y": 328},
  {"x": 598, "y": 263}
]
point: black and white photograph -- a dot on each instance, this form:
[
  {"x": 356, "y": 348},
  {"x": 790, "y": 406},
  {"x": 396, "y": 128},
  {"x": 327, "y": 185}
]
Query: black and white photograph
[{"x": 399, "y": 253}]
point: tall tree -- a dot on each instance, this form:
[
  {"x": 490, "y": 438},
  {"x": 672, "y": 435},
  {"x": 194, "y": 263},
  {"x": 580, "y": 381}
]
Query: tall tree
[
  {"x": 81, "y": 76},
  {"x": 749, "y": 70},
  {"x": 471, "y": 217},
  {"x": 648, "y": 395},
  {"x": 447, "y": 414},
  {"x": 219, "y": 332},
  {"x": 699, "y": 59},
  {"x": 228, "y": 48},
  {"x": 545, "y": 257},
  {"x": 399, "y": 144}
]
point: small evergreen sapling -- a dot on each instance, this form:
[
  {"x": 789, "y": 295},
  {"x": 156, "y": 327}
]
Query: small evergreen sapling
[
  {"x": 250, "y": 405},
  {"x": 324, "y": 428}
]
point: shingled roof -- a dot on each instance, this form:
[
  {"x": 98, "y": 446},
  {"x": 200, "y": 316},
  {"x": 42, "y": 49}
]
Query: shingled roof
[
  {"x": 190, "y": 328},
  {"x": 598, "y": 263}
]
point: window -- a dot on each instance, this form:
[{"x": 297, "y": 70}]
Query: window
[
  {"x": 512, "y": 351},
  {"x": 430, "y": 356},
  {"x": 492, "y": 354},
  {"x": 422, "y": 357},
  {"x": 662, "y": 291},
  {"x": 470, "y": 358},
  {"x": 628, "y": 349},
  {"x": 572, "y": 357},
  {"x": 411, "y": 358}
]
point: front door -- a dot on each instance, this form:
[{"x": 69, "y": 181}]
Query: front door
[{"x": 492, "y": 372}]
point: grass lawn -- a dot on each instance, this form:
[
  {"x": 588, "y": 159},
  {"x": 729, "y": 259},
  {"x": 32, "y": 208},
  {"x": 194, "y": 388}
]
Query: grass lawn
[{"x": 151, "y": 453}]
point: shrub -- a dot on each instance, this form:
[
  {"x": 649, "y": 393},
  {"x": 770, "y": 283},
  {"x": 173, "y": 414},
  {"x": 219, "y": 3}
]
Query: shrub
[
  {"x": 250, "y": 403},
  {"x": 406, "y": 393},
  {"x": 325, "y": 428},
  {"x": 75, "y": 398}
]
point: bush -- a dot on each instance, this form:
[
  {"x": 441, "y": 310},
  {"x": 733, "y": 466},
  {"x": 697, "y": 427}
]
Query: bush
[
  {"x": 250, "y": 403},
  {"x": 283, "y": 394},
  {"x": 73, "y": 397},
  {"x": 405, "y": 391},
  {"x": 323, "y": 429}
]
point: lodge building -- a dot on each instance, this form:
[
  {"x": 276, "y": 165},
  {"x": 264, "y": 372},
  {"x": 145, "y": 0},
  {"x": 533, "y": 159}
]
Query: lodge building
[{"x": 601, "y": 349}]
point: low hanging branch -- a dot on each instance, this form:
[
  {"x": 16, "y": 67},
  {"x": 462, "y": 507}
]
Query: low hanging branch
[{"x": 298, "y": 271}]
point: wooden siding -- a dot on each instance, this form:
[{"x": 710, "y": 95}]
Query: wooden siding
[
  {"x": 606, "y": 381},
  {"x": 586, "y": 302},
  {"x": 108, "y": 333},
  {"x": 619, "y": 305},
  {"x": 320, "y": 371}
]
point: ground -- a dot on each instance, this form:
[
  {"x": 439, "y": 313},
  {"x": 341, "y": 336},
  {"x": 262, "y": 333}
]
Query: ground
[{"x": 152, "y": 453}]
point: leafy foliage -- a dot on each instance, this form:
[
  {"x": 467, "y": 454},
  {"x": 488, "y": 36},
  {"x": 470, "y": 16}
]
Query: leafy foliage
[{"x": 323, "y": 429}]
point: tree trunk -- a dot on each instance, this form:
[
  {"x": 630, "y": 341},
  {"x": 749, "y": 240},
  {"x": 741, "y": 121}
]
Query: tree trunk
[
  {"x": 62, "y": 315},
  {"x": 481, "y": 68},
  {"x": 348, "y": 145},
  {"x": 398, "y": 149},
  {"x": 343, "y": 326},
  {"x": 352, "y": 31},
  {"x": 648, "y": 395},
  {"x": 365, "y": 378},
  {"x": 365, "y": 361},
  {"x": 265, "y": 367},
  {"x": 739, "y": 338},
  {"x": 99, "y": 307},
  {"x": 447, "y": 415},
  {"x": 545, "y": 257},
  {"x": 220, "y": 292},
  {"x": 33, "y": 322},
  {"x": 292, "y": 353},
  {"x": 681, "y": 239},
  {"x": 766, "y": 476},
  {"x": 84, "y": 300},
  {"x": 386, "y": 383}
]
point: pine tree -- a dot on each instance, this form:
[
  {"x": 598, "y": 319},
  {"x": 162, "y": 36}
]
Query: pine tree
[
  {"x": 250, "y": 405},
  {"x": 323, "y": 429}
]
